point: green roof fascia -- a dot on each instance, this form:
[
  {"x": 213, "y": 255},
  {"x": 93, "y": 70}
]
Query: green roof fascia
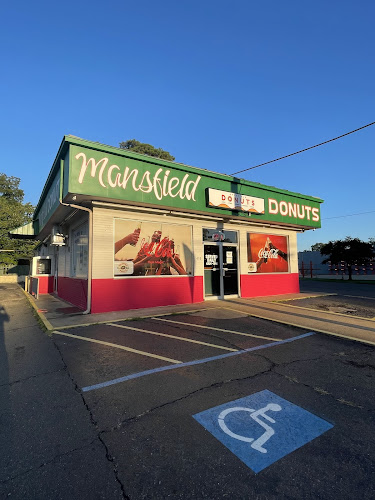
[
  {"x": 51, "y": 176},
  {"x": 65, "y": 151},
  {"x": 171, "y": 164}
]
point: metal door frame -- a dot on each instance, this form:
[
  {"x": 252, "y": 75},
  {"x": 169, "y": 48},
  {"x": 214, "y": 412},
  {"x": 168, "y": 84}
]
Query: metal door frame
[{"x": 221, "y": 246}]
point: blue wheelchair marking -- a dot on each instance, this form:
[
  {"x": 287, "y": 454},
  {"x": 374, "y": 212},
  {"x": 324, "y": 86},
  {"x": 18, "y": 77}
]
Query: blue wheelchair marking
[{"x": 262, "y": 428}]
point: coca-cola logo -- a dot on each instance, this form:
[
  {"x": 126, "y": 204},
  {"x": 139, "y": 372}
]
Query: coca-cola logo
[
  {"x": 268, "y": 254},
  {"x": 165, "y": 248}
]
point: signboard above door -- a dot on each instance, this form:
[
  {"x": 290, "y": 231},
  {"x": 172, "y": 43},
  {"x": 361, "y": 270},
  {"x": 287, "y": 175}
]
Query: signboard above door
[{"x": 235, "y": 201}]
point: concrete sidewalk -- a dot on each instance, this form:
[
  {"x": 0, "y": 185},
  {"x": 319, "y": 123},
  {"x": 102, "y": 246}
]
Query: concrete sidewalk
[{"x": 57, "y": 314}]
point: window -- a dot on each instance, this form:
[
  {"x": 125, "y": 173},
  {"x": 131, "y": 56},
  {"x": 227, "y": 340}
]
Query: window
[
  {"x": 80, "y": 251},
  {"x": 220, "y": 235},
  {"x": 43, "y": 266},
  {"x": 144, "y": 248},
  {"x": 267, "y": 253}
]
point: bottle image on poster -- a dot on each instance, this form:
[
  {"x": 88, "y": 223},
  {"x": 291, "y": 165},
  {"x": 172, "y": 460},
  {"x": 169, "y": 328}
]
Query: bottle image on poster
[
  {"x": 268, "y": 253},
  {"x": 152, "y": 249}
]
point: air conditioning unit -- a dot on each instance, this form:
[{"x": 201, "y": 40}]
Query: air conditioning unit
[{"x": 57, "y": 237}]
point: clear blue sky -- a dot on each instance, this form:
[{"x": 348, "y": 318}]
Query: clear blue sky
[{"x": 221, "y": 85}]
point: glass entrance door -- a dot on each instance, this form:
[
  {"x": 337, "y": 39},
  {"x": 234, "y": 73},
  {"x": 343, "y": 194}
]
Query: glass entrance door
[
  {"x": 212, "y": 273},
  {"x": 230, "y": 278},
  {"x": 220, "y": 270}
]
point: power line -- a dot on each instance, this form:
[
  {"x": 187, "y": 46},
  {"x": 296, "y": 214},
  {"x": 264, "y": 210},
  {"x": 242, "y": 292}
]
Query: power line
[
  {"x": 306, "y": 149},
  {"x": 349, "y": 215}
]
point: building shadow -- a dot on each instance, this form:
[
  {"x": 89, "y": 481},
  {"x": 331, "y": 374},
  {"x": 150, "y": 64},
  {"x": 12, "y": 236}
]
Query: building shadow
[
  {"x": 5, "y": 403},
  {"x": 4, "y": 372},
  {"x": 188, "y": 256}
]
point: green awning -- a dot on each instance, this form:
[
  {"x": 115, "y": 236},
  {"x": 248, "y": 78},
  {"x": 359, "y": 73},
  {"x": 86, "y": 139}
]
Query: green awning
[{"x": 23, "y": 232}]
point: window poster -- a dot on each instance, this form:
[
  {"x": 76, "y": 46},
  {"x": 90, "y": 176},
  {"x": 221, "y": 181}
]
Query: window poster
[
  {"x": 152, "y": 249},
  {"x": 267, "y": 253}
]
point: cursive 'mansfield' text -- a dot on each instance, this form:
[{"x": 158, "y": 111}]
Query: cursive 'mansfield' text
[{"x": 160, "y": 183}]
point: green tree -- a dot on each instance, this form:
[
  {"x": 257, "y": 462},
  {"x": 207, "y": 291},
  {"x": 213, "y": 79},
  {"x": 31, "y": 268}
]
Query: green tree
[
  {"x": 13, "y": 213},
  {"x": 353, "y": 251},
  {"x": 316, "y": 247},
  {"x": 146, "y": 149}
]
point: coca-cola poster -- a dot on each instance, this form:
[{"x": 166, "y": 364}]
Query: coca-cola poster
[
  {"x": 267, "y": 253},
  {"x": 144, "y": 248}
]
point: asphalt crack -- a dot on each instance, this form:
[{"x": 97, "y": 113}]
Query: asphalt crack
[
  {"x": 10, "y": 384},
  {"x": 108, "y": 455},
  {"x": 357, "y": 364},
  {"x": 319, "y": 390},
  {"x": 48, "y": 462},
  {"x": 185, "y": 396},
  {"x": 110, "y": 459}
]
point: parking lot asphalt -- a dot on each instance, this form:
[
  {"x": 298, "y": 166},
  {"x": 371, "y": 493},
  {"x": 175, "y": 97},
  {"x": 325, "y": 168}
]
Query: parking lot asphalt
[
  {"x": 349, "y": 299},
  {"x": 176, "y": 406},
  {"x": 169, "y": 342}
]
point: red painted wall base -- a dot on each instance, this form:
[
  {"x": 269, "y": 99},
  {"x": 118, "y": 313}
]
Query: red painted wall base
[
  {"x": 123, "y": 294},
  {"x": 45, "y": 284},
  {"x": 73, "y": 290},
  {"x": 260, "y": 285},
  {"x": 137, "y": 293}
]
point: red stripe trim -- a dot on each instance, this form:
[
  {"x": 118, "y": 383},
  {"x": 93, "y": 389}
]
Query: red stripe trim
[
  {"x": 123, "y": 294},
  {"x": 260, "y": 285}
]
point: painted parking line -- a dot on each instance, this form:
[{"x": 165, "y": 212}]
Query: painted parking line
[
  {"x": 190, "y": 363},
  {"x": 358, "y": 297},
  {"x": 218, "y": 329},
  {"x": 124, "y": 348},
  {"x": 173, "y": 337},
  {"x": 303, "y": 298},
  {"x": 330, "y": 313},
  {"x": 130, "y": 318}
]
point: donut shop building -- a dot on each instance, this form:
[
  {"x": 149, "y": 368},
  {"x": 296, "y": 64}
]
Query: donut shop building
[{"x": 120, "y": 230}]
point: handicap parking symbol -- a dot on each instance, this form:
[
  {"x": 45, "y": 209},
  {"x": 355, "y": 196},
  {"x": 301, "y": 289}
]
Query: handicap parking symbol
[{"x": 262, "y": 428}]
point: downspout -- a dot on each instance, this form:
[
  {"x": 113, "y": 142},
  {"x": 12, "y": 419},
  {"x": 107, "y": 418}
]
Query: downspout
[{"x": 90, "y": 236}]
